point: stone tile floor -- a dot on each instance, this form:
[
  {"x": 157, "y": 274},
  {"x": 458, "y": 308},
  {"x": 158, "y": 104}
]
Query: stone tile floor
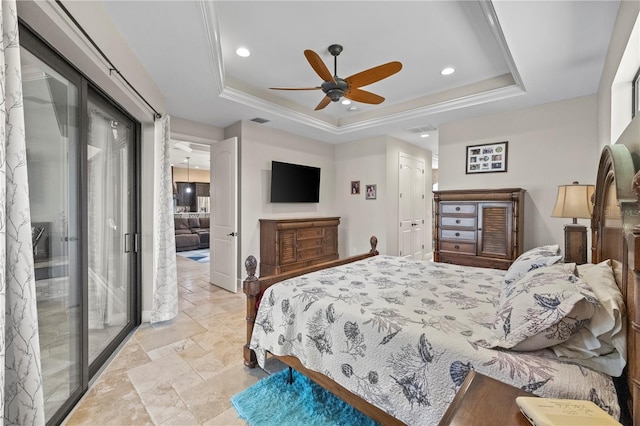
[{"x": 182, "y": 372}]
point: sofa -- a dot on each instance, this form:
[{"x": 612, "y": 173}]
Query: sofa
[{"x": 191, "y": 233}]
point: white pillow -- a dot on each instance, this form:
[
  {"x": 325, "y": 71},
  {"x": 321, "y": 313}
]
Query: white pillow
[
  {"x": 532, "y": 259},
  {"x": 601, "y": 344},
  {"x": 543, "y": 308}
]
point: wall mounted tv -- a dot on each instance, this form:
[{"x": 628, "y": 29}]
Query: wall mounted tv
[{"x": 294, "y": 183}]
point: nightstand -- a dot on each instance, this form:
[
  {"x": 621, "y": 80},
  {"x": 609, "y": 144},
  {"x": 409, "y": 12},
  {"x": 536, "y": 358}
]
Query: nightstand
[{"x": 483, "y": 401}]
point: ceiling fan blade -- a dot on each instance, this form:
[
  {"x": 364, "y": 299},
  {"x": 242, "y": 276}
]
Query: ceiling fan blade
[
  {"x": 318, "y": 66},
  {"x": 363, "y": 96},
  {"x": 295, "y": 88},
  {"x": 323, "y": 103},
  {"x": 373, "y": 74}
]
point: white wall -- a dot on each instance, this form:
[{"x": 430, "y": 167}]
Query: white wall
[
  {"x": 549, "y": 145},
  {"x": 371, "y": 161},
  {"x": 259, "y": 145},
  {"x": 191, "y": 131},
  {"x": 363, "y": 161}
]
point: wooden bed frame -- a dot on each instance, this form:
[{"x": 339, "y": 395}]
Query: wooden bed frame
[{"x": 615, "y": 227}]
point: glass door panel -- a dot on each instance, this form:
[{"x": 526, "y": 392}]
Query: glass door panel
[
  {"x": 111, "y": 138},
  {"x": 52, "y": 140}
]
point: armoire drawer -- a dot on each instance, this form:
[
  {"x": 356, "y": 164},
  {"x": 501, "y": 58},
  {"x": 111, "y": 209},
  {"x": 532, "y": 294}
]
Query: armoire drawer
[
  {"x": 453, "y": 234},
  {"x": 451, "y": 208},
  {"x": 458, "y": 222},
  {"x": 456, "y": 247}
]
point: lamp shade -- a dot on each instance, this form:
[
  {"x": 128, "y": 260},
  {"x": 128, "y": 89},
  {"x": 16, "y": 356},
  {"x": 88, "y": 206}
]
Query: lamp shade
[{"x": 574, "y": 201}]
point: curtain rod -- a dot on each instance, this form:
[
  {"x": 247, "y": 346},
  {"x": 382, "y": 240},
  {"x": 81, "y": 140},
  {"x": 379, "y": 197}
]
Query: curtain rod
[{"x": 113, "y": 67}]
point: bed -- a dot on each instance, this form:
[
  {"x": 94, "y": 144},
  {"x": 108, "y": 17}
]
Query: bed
[{"x": 395, "y": 338}]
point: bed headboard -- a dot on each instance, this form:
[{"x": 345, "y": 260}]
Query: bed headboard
[{"x": 615, "y": 228}]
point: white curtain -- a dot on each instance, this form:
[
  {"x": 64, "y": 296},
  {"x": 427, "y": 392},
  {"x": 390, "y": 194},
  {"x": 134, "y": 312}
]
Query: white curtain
[
  {"x": 104, "y": 255},
  {"x": 20, "y": 379},
  {"x": 165, "y": 278}
]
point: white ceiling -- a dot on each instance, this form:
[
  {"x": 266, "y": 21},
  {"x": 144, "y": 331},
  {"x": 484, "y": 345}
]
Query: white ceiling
[{"x": 507, "y": 55}]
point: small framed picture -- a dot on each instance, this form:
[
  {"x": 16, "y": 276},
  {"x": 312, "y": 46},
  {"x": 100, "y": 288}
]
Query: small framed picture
[
  {"x": 487, "y": 158},
  {"x": 371, "y": 192},
  {"x": 355, "y": 187}
]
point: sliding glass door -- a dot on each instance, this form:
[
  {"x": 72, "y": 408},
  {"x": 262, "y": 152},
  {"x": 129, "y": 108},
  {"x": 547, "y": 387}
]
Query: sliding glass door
[
  {"x": 81, "y": 160},
  {"x": 52, "y": 133},
  {"x": 110, "y": 145}
]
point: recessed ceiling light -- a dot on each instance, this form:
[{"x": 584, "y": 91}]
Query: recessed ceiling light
[
  {"x": 243, "y": 52},
  {"x": 352, "y": 108},
  {"x": 447, "y": 71},
  {"x": 346, "y": 102},
  {"x": 424, "y": 135}
]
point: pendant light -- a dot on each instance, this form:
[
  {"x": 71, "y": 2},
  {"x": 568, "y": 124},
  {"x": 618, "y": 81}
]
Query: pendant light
[{"x": 188, "y": 190}]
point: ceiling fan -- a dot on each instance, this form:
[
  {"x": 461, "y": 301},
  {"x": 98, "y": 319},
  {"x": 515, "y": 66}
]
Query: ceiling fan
[{"x": 335, "y": 87}]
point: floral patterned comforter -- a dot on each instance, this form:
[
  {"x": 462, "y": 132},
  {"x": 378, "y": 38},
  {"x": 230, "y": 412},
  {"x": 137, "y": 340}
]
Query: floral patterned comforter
[{"x": 403, "y": 334}]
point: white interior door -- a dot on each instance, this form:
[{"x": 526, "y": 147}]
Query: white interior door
[
  {"x": 411, "y": 207},
  {"x": 419, "y": 209},
  {"x": 405, "y": 209},
  {"x": 224, "y": 220}
]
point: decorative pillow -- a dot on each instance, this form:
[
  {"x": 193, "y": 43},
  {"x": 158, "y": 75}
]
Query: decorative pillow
[
  {"x": 532, "y": 259},
  {"x": 543, "y": 308},
  {"x": 601, "y": 344}
]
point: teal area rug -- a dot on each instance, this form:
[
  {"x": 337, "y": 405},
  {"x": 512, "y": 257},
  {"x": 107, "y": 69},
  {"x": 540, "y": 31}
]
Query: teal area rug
[{"x": 272, "y": 401}]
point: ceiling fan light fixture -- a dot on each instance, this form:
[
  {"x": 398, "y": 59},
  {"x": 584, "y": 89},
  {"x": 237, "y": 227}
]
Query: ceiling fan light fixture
[
  {"x": 448, "y": 71},
  {"x": 335, "y": 94}
]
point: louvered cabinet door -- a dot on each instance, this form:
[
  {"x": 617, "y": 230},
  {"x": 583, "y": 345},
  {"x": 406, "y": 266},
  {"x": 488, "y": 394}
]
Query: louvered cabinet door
[{"x": 495, "y": 225}]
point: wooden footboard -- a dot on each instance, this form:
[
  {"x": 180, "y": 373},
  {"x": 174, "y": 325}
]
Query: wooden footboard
[{"x": 253, "y": 287}]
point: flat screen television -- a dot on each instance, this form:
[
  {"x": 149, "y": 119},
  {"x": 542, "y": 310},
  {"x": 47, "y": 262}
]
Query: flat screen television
[{"x": 294, "y": 183}]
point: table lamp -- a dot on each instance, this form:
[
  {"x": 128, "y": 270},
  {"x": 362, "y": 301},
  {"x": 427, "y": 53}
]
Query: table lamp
[{"x": 574, "y": 201}]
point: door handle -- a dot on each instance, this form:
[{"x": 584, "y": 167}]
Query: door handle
[
  {"x": 233, "y": 234},
  {"x": 127, "y": 243}
]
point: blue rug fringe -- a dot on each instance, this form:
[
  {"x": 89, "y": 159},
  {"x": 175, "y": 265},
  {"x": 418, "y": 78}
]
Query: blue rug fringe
[{"x": 272, "y": 401}]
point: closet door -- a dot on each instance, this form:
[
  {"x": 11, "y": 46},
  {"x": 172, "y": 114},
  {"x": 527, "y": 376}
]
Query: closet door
[{"x": 412, "y": 207}]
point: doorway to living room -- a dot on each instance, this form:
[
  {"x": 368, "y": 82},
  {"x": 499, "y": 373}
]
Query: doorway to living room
[{"x": 190, "y": 171}]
